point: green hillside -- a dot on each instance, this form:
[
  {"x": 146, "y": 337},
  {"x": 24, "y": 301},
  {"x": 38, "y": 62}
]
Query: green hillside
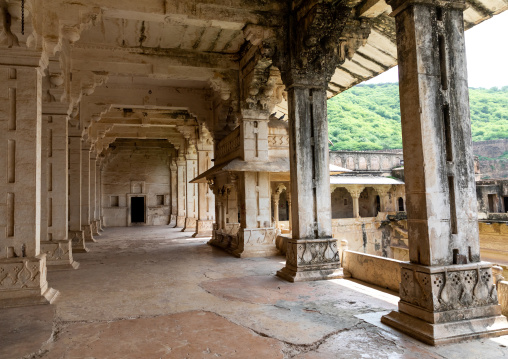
[{"x": 367, "y": 117}]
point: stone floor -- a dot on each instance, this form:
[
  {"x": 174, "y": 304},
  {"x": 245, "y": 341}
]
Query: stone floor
[{"x": 155, "y": 292}]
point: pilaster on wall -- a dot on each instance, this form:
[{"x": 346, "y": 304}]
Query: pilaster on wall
[
  {"x": 23, "y": 281},
  {"x": 446, "y": 293}
]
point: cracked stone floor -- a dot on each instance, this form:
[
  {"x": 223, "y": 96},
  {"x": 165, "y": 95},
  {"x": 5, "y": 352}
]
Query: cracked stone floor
[{"x": 155, "y": 292}]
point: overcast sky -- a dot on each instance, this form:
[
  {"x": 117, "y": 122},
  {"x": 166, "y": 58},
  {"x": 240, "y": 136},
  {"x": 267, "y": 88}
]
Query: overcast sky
[{"x": 487, "y": 55}]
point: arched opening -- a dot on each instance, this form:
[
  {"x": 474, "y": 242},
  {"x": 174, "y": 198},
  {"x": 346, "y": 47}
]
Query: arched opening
[
  {"x": 283, "y": 207},
  {"x": 401, "y": 204},
  {"x": 342, "y": 203},
  {"x": 367, "y": 202}
]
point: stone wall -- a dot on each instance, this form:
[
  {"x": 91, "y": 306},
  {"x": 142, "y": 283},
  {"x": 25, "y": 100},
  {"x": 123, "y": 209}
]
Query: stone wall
[
  {"x": 490, "y": 149},
  {"x": 136, "y": 171},
  {"x": 366, "y": 161}
]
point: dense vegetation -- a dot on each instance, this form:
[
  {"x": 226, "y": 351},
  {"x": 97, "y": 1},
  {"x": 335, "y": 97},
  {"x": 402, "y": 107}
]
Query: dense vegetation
[{"x": 367, "y": 117}]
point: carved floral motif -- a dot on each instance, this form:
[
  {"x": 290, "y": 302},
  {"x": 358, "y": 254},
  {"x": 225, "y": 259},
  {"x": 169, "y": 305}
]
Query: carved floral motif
[{"x": 23, "y": 274}]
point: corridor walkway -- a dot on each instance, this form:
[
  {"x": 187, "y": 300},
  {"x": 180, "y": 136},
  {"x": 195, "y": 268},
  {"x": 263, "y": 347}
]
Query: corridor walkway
[{"x": 155, "y": 292}]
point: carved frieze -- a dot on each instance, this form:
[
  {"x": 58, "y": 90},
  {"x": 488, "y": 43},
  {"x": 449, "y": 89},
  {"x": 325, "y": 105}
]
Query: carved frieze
[
  {"x": 22, "y": 273},
  {"x": 278, "y": 141},
  {"x": 448, "y": 289}
]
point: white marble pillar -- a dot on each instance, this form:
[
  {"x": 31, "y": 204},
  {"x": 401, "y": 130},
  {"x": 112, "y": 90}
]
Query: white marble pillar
[
  {"x": 76, "y": 232},
  {"x": 54, "y": 193},
  {"x": 446, "y": 293},
  {"x": 20, "y": 183},
  {"x": 86, "y": 208}
]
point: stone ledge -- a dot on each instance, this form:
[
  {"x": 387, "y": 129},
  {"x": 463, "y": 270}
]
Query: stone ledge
[{"x": 451, "y": 332}]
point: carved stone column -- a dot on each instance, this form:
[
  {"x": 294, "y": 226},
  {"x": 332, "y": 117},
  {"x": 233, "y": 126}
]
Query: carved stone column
[
  {"x": 383, "y": 191},
  {"x": 86, "y": 209},
  {"x": 290, "y": 216},
  {"x": 23, "y": 266},
  {"x": 76, "y": 232},
  {"x": 93, "y": 194},
  {"x": 174, "y": 191},
  {"x": 355, "y": 192},
  {"x": 275, "y": 201},
  {"x": 191, "y": 214},
  {"x": 319, "y": 37},
  {"x": 181, "y": 190},
  {"x": 54, "y": 185},
  {"x": 206, "y": 200},
  {"x": 446, "y": 293},
  {"x": 98, "y": 195}
]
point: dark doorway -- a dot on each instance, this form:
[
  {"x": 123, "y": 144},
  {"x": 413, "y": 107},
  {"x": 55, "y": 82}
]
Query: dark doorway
[
  {"x": 137, "y": 209},
  {"x": 506, "y": 204},
  {"x": 492, "y": 203},
  {"x": 401, "y": 204}
]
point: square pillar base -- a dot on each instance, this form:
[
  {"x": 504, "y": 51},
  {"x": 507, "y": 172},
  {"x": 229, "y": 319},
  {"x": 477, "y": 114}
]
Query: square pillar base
[
  {"x": 23, "y": 282},
  {"x": 180, "y": 222},
  {"x": 311, "y": 259},
  {"x": 446, "y": 304},
  {"x": 78, "y": 241},
  {"x": 190, "y": 225},
  {"x": 58, "y": 255},
  {"x": 88, "y": 230},
  {"x": 95, "y": 228},
  {"x": 255, "y": 242},
  {"x": 100, "y": 227},
  {"x": 172, "y": 220},
  {"x": 451, "y": 332},
  {"x": 204, "y": 228}
]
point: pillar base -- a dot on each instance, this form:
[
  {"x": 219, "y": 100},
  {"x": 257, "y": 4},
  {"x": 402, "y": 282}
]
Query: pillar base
[
  {"x": 87, "y": 229},
  {"x": 446, "y": 304},
  {"x": 450, "y": 332},
  {"x": 58, "y": 255},
  {"x": 23, "y": 282},
  {"x": 100, "y": 227},
  {"x": 172, "y": 220},
  {"x": 311, "y": 259},
  {"x": 180, "y": 221},
  {"x": 95, "y": 228},
  {"x": 204, "y": 228},
  {"x": 255, "y": 242},
  {"x": 78, "y": 241},
  {"x": 190, "y": 225}
]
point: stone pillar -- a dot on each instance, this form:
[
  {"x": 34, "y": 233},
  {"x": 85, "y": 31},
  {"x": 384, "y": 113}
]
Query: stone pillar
[
  {"x": 256, "y": 237},
  {"x": 320, "y": 36},
  {"x": 206, "y": 201},
  {"x": 446, "y": 293},
  {"x": 290, "y": 217},
  {"x": 93, "y": 194},
  {"x": 312, "y": 253},
  {"x": 54, "y": 184},
  {"x": 191, "y": 159},
  {"x": 382, "y": 191},
  {"x": 22, "y": 264},
  {"x": 98, "y": 195},
  {"x": 76, "y": 233},
  {"x": 181, "y": 191},
  {"x": 275, "y": 200},
  {"x": 355, "y": 192},
  {"x": 86, "y": 209},
  {"x": 174, "y": 191}
]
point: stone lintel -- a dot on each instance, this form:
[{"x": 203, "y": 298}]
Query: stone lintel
[{"x": 23, "y": 282}]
